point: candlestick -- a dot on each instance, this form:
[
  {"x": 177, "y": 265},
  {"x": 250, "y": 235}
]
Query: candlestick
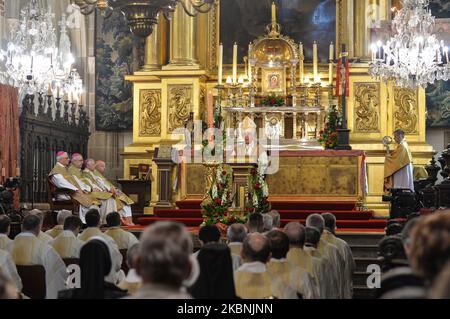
[
  {"x": 220, "y": 63},
  {"x": 57, "y": 91},
  {"x": 301, "y": 64},
  {"x": 249, "y": 67},
  {"x": 210, "y": 110},
  {"x": 241, "y": 80},
  {"x": 331, "y": 51},
  {"x": 330, "y": 73},
  {"x": 49, "y": 91},
  {"x": 446, "y": 53},
  {"x": 234, "y": 62},
  {"x": 81, "y": 99},
  {"x": 315, "y": 59},
  {"x": 229, "y": 80}
]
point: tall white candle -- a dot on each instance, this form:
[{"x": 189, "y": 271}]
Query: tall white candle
[
  {"x": 235, "y": 63},
  {"x": 250, "y": 50},
  {"x": 331, "y": 58},
  {"x": 220, "y": 64},
  {"x": 302, "y": 59},
  {"x": 315, "y": 61}
]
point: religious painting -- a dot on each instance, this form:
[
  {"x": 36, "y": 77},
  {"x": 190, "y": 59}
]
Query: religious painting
[
  {"x": 118, "y": 53},
  {"x": 273, "y": 81},
  {"x": 242, "y": 21}
]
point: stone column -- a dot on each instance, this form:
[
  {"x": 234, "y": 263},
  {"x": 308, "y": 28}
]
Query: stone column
[
  {"x": 155, "y": 46},
  {"x": 183, "y": 38}
]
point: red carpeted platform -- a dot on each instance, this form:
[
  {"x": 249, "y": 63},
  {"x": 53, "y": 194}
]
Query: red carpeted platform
[{"x": 188, "y": 212}]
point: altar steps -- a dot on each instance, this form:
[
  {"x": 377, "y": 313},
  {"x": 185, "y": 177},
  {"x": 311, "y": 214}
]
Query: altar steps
[{"x": 189, "y": 213}]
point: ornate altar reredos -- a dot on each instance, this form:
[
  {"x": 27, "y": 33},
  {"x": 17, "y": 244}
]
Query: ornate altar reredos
[{"x": 275, "y": 76}]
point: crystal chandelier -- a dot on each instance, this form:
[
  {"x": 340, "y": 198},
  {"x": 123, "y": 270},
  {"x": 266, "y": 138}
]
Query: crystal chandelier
[
  {"x": 413, "y": 56},
  {"x": 142, "y": 15},
  {"x": 32, "y": 60}
]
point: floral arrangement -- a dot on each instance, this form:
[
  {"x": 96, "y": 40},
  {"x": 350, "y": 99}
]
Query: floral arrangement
[
  {"x": 273, "y": 100},
  {"x": 258, "y": 193},
  {"x": 328, "y": 137},
  {"x": 219, "y": 199}
]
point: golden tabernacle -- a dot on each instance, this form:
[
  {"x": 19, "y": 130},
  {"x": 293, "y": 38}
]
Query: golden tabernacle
[{"x": 286, "y": 96}]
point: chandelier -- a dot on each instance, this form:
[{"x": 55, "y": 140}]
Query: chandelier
[
  {"x": 142, "y": 15},
  {"x": 32, "y": 60},
  {"x": 413, "y": 56}
]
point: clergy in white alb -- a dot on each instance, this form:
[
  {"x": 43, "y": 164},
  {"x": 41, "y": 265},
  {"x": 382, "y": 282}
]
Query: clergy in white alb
[
  {"x": 236, "y": 234},
  {"x": 60, "y": 218},
  {"x": 42, "y": 236},
  {"x": 398, "y": 165},
  {"x": 5, "y": 227},
  {"x": 8, "y": 268},
  {"x": 67, "y": 244},
  {"x": 123, "y": 238},
  {"x": 27, "y": 249}
]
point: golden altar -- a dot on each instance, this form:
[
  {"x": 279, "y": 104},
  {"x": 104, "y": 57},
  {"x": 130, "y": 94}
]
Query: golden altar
[{"x": 176, "y": 81}]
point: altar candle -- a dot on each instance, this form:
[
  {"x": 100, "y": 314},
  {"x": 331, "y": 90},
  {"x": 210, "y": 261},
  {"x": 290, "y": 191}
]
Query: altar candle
[
  {"x": 17, "y": 171},
  {"x": 81, "y": 98},
  {"x": 315, "y": 60},
  {"x": 331, "y": 51},
  {"x": 249, "y": 67},
  {"x": 220, "y": 63},
  {"x": 57, "y": 91},
  {"x": 49, "y": 91},
  {"x": 301, "y": 65},
  {"x": 3, "y": 172},
  {"x": 446, "y": 53},
  {"x": 235, "y": 63},
  {"x": 210, "y": 110},
  {"x": 274, "y": 13},
  {"x": 330, "y": 73}
]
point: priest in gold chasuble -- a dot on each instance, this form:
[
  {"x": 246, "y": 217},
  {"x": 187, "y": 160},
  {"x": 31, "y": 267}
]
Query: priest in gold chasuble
[{"x": 398, "y": 166}]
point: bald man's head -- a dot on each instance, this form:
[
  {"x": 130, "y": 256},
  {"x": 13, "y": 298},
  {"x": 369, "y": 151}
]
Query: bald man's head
[
  {"x": 296, "y": 233},
  {"x": 100, "y": 166},
  {"x": 256, "y": 247}
]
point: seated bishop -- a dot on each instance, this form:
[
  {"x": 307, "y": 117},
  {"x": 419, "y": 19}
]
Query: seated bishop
[
  {"x": 108, "y": 204},
  {"x": 123, "y": 201},
  {"x": 252, "y": 279},
  {"x": 68, "y": 187}
]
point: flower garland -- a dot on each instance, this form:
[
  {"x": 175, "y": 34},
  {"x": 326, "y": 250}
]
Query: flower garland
[
  {"x": 328, "y": 137},
  {"x": 273, "y": 100},
  {"x": 219, "y": 199}
]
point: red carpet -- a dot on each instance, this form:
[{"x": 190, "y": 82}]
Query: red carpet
[{"x": 348, "y": 219}]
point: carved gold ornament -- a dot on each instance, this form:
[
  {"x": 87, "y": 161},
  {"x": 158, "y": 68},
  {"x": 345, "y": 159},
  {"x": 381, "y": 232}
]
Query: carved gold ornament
[
  {"x": 180, "y": 105},
  {"x": 367, "y": 107},
  {"x": 405, "y": 110},
  {"x": 150, "y": 113}
]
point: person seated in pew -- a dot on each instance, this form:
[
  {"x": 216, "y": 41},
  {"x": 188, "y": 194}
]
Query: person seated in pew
[
  {"x": 42, "y": 236},
  {"x": 60, "y": 218},
  {"x": 123, "y": 202},
  {"x": 329, "y": 287},
  {"x": 66, "y": 244},
  {"x": 7, "y": 288},
  {"x": 108, "y": 204},
  {"x": 27, "y": 249},
  {"x": 329, "y": 235},
  {"x": 216, "y": 273},
  {"x": 123, "y": 239},
  {"x": 275, "y": 218},
  {"x": 164, "y": 261},
  {"x": 132, "y": 282},
  {"x": 329, "y": 251},
  {"x": 236, "y": 234},
  {"x": 67, "y": 186},
  {"x": 255, "y": 223},
  {"x": 252, "y": 279},
  {"x": 9, "y": 269},
  {"x": 93, "y": 230},
  {"x": 208, "y": 234},
  {"x": 278, "y": 266},
  {"x": 5, "y": 228},
  {"x": 268, "y": 223},
  {"x": 95, "y": 265}
]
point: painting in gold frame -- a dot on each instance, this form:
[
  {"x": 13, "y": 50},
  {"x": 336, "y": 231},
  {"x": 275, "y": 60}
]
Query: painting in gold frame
[{"x": 273, "y": 80}]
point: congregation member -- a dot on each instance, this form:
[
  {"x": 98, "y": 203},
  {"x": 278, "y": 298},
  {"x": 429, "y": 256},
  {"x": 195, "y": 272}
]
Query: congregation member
[
  {"x": 60, "y": 218},
  {"x": 215, "y": 280},
  {"x": 123, "y": 239},
  {"x": 441, "y": 287},
  {"x": 132, "y": 282},
  {"x": 252, "y": 279},
  {"x": 123, "y": 202},
  {"x": 93, "y": 231},
  {"x": 108, "y": 204},
  {"x": 9, "y": 269},
  {"x": 275, "y": 218},
  {"x": 236, "y": 234},
  {"x": 27, "y": 249},
  {"x": 5, "y": 228},
  {"x": 329, "y": 235},
  {"x": 255, "y": 223},
  {"x": 42, "y": 236},
  {"x": 268, "y": 223},
  {"x": 67, "y": 186},
  {"x": 164, "y": 262},
  {"x": 67, "y": 244},
  {"x": 95, "y": 265},
  {"x": 278, "y": 266},
  {"x": 208, "y": 234}
]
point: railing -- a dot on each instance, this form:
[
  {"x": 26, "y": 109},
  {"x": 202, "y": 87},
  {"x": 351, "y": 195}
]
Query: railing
[{"x": 48, "y": 125}]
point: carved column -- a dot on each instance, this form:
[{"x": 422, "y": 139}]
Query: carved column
[
  {"x": 155, "y": 46},
  {"x": 183, "y": 38}
]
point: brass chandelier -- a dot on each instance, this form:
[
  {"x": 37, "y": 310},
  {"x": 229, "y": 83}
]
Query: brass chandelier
[{"x": 142, "y": 15}]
